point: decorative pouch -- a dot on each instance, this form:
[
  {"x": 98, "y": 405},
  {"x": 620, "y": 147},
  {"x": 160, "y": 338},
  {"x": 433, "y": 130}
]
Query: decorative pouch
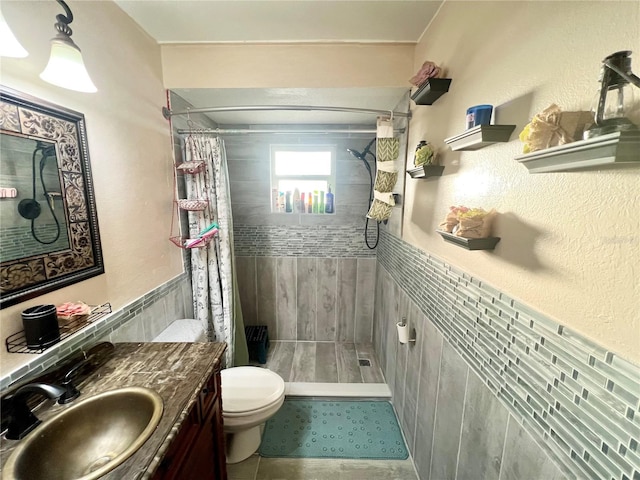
[
  {"x": 379, "y": 211},
  {"x": 385, "y": 181},
  {"x": 387, "y": 149}
]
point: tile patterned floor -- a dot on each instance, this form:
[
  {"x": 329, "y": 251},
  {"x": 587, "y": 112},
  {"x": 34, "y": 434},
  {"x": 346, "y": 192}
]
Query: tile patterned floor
[
  {"x": 327, "y": 362},
  {"x": 259, "y": 468}
]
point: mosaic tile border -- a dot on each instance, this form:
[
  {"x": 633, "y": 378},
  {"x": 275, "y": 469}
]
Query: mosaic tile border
[
  {"x": 93, "y": 332},
  {"x": 300, "y": 241},
  {"x": 581, "y": 400}
]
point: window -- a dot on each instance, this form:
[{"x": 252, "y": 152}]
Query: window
[{"x": 303, "y": 178}]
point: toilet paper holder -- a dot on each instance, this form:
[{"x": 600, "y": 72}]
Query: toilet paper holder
[{"x": 405, "y": 334}]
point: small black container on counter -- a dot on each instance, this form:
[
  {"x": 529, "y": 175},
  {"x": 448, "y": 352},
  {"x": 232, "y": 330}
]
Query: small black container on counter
[{"x": 41, "y": 326}]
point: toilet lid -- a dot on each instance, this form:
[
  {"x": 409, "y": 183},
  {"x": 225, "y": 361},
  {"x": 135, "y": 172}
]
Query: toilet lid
[{"x": 249, "y": 388}]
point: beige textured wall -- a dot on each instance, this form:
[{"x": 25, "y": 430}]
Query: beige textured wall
[
  {"x": 129, "y": 146},
  {"x": 570, "y": 243},
  {"x": 286, "y": 65}
]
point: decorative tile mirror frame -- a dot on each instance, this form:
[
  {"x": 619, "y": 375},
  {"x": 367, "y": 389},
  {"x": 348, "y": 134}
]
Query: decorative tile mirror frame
[{"x": 28, "y": 274}]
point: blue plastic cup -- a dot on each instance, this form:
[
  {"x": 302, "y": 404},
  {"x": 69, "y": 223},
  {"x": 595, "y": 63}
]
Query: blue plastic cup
[{"x": 479, "y": 115}]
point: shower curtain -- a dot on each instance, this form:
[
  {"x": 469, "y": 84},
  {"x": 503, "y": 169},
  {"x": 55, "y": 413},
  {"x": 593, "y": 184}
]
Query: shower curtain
[{"x": 215, "y": 293}]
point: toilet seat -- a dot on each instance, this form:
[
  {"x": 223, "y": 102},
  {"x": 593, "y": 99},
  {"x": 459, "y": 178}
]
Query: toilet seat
[{"x": 250, "y": 390}]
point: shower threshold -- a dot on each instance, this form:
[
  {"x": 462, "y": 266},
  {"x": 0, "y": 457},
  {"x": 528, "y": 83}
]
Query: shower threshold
[{"x": 337, "y": 390}]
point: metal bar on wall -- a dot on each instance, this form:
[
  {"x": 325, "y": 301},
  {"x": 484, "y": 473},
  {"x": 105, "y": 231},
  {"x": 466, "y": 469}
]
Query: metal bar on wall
[
  {"x": 243, "y": 131},
  {"x": 250, "y": 108}
]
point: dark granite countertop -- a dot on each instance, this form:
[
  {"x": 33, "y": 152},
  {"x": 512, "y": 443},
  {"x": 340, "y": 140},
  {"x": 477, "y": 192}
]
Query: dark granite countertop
[{"x": 176, "y": 371}]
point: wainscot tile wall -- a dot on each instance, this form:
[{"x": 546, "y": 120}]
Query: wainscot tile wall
[
  {"x": 308, "y": 298},
  {"x": 492, "y": 389},
  {"x": 139, "y": 321}
]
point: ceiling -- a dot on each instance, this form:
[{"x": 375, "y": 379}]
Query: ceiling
[
  {"x": 239, "y": 21},
  {"x": 292, "y": 21}
]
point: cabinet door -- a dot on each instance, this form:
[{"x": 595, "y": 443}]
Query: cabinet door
[
  {"x": 210, "y": 400},
  {"x": 219, "y": 441},
  {"x": 169, "y": 468},
  {"x": 198, "y": 451},
  {"x": 200, "y": 462}
]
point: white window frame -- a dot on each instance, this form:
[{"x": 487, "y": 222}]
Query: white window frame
[{"x": 330, "y": 179}]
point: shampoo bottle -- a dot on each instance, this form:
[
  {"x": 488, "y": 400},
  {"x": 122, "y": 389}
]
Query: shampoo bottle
[
  {"x": 296, "y": 201},
  {"x": 288, "y": 207},
  {"x": 328, "y": 203}
]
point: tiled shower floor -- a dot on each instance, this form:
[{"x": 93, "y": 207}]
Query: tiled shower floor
[{"x": 324, "y": 362}]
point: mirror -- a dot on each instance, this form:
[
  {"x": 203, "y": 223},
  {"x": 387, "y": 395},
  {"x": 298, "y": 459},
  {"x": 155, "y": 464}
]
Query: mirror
[{"x": 49, "y": 235}]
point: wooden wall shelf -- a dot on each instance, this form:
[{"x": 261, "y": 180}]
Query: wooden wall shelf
[
  {"x": 431, "y": 90},
  {"x": 479, "y": 137},
  {"x": 488, "y": 243},
  {"x": 613, "y": 148},
  {"x": 426, "y": 171}
]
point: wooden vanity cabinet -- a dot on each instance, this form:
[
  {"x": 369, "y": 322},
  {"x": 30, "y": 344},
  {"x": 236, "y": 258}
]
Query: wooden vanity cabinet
[{"x": 198, "y": 449}]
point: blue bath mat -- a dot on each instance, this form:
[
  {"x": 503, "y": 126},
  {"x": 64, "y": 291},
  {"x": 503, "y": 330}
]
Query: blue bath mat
[{"x": 334, "y": 429}]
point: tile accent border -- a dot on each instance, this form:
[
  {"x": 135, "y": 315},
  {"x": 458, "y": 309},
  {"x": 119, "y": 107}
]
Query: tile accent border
[
  {"x": 580, "y": 401},
  {"x": 300, "y": 241},
  {"x": 96, "y": 331}
]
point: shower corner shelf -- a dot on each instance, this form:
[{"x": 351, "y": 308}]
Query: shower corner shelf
[
  {"x": 613, "y": 148},
  {"x": 17, "y": 343},
  {"x": 193, "y": 205},
  {"x": 488, "y": 243},
  {"x": 426, "y": 171},
  {"x": 182, "y": 242},
  {"x": 191, "y": 168},
  {"x": 479, "y": 137},
  {"x": 431, "y": 90}
]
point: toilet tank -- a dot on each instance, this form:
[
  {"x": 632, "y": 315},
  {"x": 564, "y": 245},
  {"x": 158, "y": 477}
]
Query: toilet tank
[{"x": 183, "y": 330}]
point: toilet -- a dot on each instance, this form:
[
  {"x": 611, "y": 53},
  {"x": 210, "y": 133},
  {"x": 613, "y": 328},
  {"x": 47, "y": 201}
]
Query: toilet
[
  {"x": 182, "y": 330},
  {"x": 250, "y": 397}
]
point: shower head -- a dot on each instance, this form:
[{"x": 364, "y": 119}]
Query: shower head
[
  {"x": 355, "y": 153},
  {"x": 365, "y": 152}
]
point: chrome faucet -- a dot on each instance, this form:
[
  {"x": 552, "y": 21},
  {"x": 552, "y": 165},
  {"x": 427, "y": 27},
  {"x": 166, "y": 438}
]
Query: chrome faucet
[{"x": 21, "y": 419}]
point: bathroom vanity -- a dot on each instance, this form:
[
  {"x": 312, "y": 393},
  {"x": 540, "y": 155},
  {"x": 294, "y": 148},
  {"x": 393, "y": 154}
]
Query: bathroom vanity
[{"x": 189, "y": 440}]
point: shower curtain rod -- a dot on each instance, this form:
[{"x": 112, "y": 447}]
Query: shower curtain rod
[
  {"x": 248, "y": 108},
  {"x": 243, "y": 131}
]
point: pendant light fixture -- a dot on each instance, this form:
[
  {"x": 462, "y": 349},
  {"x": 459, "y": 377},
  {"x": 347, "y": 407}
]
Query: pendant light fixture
[
  {"x": 66, "y": 68},
  {"x": 9, "y": 44}
]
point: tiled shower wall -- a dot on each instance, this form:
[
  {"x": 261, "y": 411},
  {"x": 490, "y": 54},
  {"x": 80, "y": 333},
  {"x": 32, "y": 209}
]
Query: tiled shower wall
[
  {"x": 492, "y": 389},
  {"x": 309, "y": 298},
  {"x": 304, "y": 276}
]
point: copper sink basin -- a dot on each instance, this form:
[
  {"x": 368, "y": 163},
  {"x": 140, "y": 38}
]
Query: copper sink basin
[{"x": 88, "y": 439}]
